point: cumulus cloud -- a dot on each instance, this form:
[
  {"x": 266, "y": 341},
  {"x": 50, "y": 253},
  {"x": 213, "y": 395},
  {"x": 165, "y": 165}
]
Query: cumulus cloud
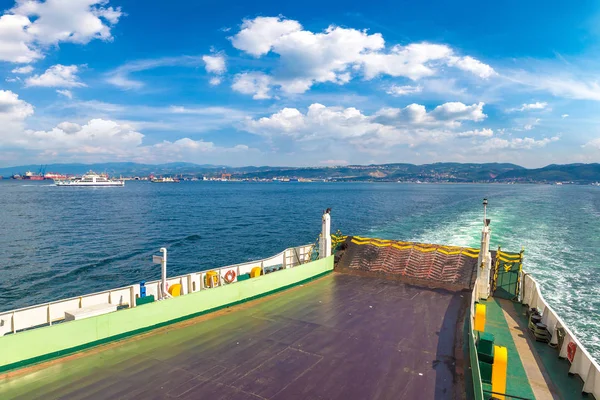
[
  {"x": 32, "y": 26},
  {"x": 215, "y": 64},
  {"x": 472, "y": 65},
  {"x": 525, "y": 143},
  {"x": 564, "y": 116},
  {"x": 98, "y": 138},
  {"x": 476, "y": 133},
  {"x": 396, "y": 90},
  {"x": 257, "y": 36},
  {"x": 411, "y": 125},
  {"x": 57, "y": 76},
  {"x": 12, "y": 108},
  {"x": 337, "y": 54},
  {"x": 448, "y": 114},
  {"x": 255, "y": 83}
]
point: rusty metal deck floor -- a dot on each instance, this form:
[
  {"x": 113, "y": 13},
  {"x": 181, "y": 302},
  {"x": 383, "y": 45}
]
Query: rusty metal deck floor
[{"x": 340, "y": 337}]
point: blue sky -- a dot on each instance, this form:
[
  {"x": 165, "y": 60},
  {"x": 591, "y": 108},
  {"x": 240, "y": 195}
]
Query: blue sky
[{"x": 310, "y": 83}]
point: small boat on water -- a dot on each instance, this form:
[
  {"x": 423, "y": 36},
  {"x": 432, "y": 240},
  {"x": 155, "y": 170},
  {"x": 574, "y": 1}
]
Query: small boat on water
[
  {"x": 165, "y": 180},
  {"x": 91, "y": 179}
]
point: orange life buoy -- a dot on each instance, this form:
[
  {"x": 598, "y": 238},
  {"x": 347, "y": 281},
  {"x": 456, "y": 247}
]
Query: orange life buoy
[
  {"x": 230, "y": 276},
  {"x": 571, "y": 349}
]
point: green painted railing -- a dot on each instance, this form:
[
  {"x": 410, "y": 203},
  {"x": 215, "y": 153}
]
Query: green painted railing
[
  {"x": 38, "y": 345},
  {"x": 474, "y": 360}
]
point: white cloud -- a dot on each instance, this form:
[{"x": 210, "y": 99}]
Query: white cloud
[
  {"x": 23, "y": 70},
  {"x": 257, "y": 36},
  {"x": 12, "y": 108},
  {"x": 58, "y": 21},
  {"x": 533, "y": 106},
  {"x": 215, "y": 64},
  {"x": 561, "y": 84},
  {"x": 396, "y": 90},
  {"x": 254, "y": 83},
  {"x": 124, "y": 82},
  {"x": 336, "y": 55},
  {"x": 67, "y": 93},
  {"x": 98, "y": 136},
  {"x": 525, "y": 143},
  {"x": 529, "y": 126},
  {"x": 594, "y": 144},
  {"x": 415, "y": 61},
  {"x": 472, "y": 65},
  {"x": 15, "y": 42},
  {"x": 564, "y": 116},
  {"x": 448, "y": 114},
  {"x": 31, "y": 26},
  {"x": 476, "y": 133},
  {"x": 411, "y": 125},
  {"x": 97, "y": 139},
  {"x": 120, "y": 77},
  {"x": 57, "y": 76}
]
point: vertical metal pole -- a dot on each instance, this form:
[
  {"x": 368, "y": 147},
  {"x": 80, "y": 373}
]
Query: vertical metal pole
[
  {"x": 164, "y": 273},
  {"x": 325, "y": 242}
]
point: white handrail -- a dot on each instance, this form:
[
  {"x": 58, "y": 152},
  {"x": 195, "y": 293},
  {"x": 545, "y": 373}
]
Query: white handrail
[
  {"x": 38, "y": 315},
  {"x": 583, "y": 363}
]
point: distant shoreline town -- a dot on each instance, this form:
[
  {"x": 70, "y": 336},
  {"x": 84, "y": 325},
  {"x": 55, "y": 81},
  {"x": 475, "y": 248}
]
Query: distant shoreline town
[{"x": 397, "y": 172}]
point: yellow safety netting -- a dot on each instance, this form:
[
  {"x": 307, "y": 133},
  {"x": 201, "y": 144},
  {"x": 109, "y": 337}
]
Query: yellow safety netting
[{"x": 422, "y": 247}]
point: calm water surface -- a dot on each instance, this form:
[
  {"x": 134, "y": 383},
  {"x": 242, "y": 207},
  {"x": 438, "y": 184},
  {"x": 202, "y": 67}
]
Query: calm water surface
[{"x": 61, "y": 242}]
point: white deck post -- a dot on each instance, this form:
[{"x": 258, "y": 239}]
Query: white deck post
[
  {"x": 325, "y": 242},
  {"x": 164, "y": 272},
  {"x": 484, "y": 262}
]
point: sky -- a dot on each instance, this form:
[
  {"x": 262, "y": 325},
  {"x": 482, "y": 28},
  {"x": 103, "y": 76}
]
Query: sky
[{"x": 299, "y": 84}]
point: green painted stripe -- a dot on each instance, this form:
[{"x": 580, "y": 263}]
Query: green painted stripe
[
  {"x": 517, "y": 382},
  {"x": 319, "y": 268}
]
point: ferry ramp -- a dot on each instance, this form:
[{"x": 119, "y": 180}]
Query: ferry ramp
[{"x": 343, "y": 336}]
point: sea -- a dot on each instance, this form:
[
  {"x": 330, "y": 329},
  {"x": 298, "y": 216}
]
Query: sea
[{"x": 58, "y": 242}]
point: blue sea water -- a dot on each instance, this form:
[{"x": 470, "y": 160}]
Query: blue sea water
[{"x": 61, "y": 242}]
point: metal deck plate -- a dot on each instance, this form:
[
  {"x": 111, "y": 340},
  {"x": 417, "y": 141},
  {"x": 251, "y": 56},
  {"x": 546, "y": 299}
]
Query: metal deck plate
[{"x": 340, "y": 337}]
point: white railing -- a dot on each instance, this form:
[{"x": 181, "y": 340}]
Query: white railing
[
  {"x": 48, "y": 313},
  {"x": 582, "y": 364}
]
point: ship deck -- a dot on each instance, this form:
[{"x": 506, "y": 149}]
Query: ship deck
[
  {"x": 339, "y": 337},
  {"x": 534, "y": 370}
]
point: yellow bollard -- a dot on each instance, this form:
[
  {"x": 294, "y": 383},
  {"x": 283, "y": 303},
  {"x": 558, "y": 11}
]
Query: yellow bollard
[
  {"x": 175, "y": 290},
  {"x": 479, "y": 324},
  {"x": 255, "y": 272},
  {"x": 499, "y": 371}
]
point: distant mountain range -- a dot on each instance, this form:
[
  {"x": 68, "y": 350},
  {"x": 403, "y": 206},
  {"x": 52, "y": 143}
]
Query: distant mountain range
[{"x": 437, "y": 172}]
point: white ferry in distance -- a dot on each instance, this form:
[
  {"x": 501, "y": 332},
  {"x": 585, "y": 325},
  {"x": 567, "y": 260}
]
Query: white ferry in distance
[{"x": 91, "y": 179}]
